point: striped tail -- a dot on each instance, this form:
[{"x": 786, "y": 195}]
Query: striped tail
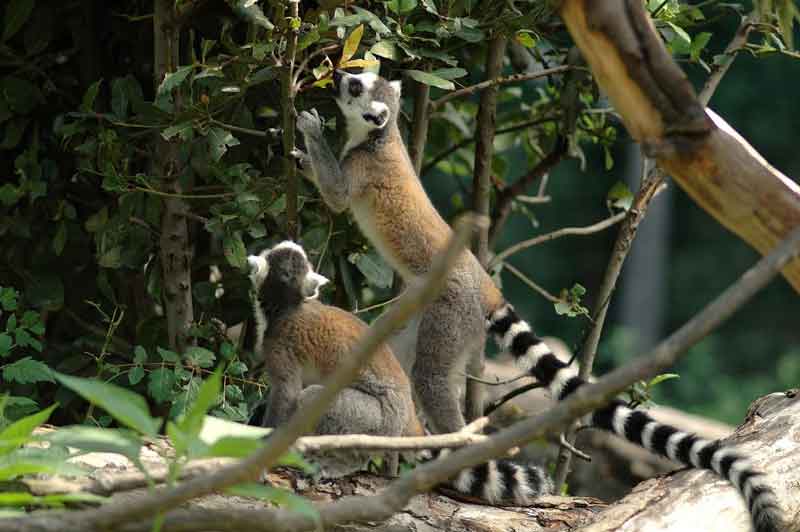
[
  {"x": 532, "y": 354},
  {"x": 497, "y": 481}
]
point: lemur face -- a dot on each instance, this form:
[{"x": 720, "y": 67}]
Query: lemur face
[
  {"x": 286, "y": 264},
  {"x": 366, "y": 100}
]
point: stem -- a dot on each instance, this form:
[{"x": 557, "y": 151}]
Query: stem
[
  {"x": 288, "y": 111},
  {"x": 481, "y": 192},
  {"x": 420, "y": 123}
]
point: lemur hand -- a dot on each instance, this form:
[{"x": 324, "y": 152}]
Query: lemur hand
[{"x": 309, "y": 124}]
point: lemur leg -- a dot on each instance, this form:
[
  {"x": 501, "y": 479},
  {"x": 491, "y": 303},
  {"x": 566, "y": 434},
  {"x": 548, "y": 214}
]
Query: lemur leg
[
  {"x": 448, "y": 329},
  {"x": 334, "y": 185},
  {"x": 285, "y": 387},
  {"x": 352, "y": 412}
]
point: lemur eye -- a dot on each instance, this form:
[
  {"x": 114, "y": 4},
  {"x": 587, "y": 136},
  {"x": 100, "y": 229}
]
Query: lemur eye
[{"x": 355, "y": 87}]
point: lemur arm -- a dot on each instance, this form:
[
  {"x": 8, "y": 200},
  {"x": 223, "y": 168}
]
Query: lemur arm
[{"x": 325, "y": 171}]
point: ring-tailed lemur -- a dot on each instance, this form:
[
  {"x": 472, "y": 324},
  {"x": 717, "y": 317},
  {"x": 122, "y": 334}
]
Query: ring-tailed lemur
[
  {"x": 374, "y": 178},
  {"x": 301, "y": 340}
]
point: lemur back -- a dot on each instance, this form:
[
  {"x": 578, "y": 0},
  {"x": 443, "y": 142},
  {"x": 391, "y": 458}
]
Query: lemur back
[{"x": 375, "y": 179}]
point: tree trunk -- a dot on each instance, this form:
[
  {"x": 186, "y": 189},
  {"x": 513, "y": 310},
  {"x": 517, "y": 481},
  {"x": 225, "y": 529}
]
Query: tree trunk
[
  {"x": 705, "y": 156},
  {"x": 176, "y": 253}
]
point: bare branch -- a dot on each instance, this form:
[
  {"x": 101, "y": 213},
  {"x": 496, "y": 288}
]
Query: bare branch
[
  {"x": 719, "y": 69},
  {"x": 419, "y": 123},
  {"x": 587, "y": 230},
  {"x": 528, "y": 281},
  {"x": 650, "y": 187},
  {"x": 444, "y": 154},
  {"x": 289, "y": 114},
  {"x": 481, "y": 191},
  {"x": 507, "y": 194},
  {"x": 500, "y": 401},
  {"x": 494, "y": 82}
]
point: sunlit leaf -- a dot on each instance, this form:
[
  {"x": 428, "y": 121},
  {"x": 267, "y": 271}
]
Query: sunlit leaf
[
  {"x": 351, "y": 44},
  {"x": 430, "y": 79}
]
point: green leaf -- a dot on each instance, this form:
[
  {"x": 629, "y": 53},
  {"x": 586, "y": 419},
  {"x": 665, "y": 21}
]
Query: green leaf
[
  {"x": 377, "y": 272},
  {"x": 200, "y": 357},
  {"x": 93, "y": 439},
  {"x": 450, "y": 73},
  {"x": 308, "y": 39},
  {"x": 90, "y": 96},
  {"x": 136, "y": 375},
  {"x": 234, "y": 447},
  {"x": 26, "y": 371},
  {"x": 125, "y": 406},
  {"x": 620, "y": 196},
  {"x": 658, "y": 379},
  {"x": 19, "y": 432},
  {"x": 234, "y": 250},
  {"x": 8, "y": 298},
  {"x": 6, "y": 343},
  {"x": 17, "y": 13},
  {"x": 173, "y": 80},
  {"x": 219, "y": 140},
  {"x": 11, "y": 323},
  {"x": 60, "y": 239},
  {"x": 139, "y": 355},
  {"x": 278, "y": 496},
  {"x": 429, "y": 79},
  {"x": 525, "y": 39},
  {"x": 167, "y": 355},
  {"x": 14, "y": 466},
  {"x": 386, "y": 49},
  {"x": 351, "y": 44},
  {"x": 160, "y": 384},
  {"x": 401, "y": 7},
  {"x": 183, "y": 129},
  {"x": 207, "y": 396}
]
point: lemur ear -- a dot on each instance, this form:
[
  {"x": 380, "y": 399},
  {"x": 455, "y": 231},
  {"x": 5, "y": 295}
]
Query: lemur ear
[
  {"x": 313, "y": 283},
  {"x": 397, "y": 86},
  {"x": 379, "y": 114}
]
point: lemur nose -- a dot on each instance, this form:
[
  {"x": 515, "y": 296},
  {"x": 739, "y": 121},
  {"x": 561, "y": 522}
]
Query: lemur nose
[{"x": 337, "y": 77}]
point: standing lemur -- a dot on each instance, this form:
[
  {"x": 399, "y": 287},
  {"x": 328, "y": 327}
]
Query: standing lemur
[
  {"x": 374, "y": 178},
  {"x": 302, "y": 340}
]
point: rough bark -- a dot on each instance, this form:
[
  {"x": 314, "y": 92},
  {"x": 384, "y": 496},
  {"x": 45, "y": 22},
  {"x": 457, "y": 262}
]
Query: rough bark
[
  {"x": 705, "y": 156},
  {"x": 175, "y": 249}
]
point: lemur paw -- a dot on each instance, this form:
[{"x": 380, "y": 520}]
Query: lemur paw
[{"x": 309, "y": 124}]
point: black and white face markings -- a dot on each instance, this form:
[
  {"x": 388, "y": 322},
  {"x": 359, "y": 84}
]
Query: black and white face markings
[
  {"x": 364, "y": 100},
  {"x": 532, "y": 354},
  {"x": 291, "y": 268}
]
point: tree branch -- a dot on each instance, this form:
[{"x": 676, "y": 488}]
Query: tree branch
[
  {"x": 481, "y": 193},
  {"x": 564, "y": 231},
  {"x": 719, "y": 69},
  {"x": 419, "y": 124},
  {"x": 444, "y": 154},
  {"x": 494, "y": 82},
  {"x": 584, "y": 400},
  {"x": 507, "y": 194},
  {"x": 289, "y": 113}
]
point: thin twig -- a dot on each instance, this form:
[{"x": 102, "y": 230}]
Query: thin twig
[
  {"x": 289, "y": 113},
  {"x": 528, "y": 281},
  {"x": 574, "y": 450},
  {"x": 481, "y": 193},
  {"x": 506, "y": 196},
  {"x": 720, "y": 68},
  {"x": 497, "y": 403},
  {"x": 497, "y": 381},
  {"x": 419, "y": 123},
  {"x": 650, "y": 187},
  {"x": 444, "y": 154},
  {"x": 565, "y": 231},
  {"x": 515, "y": 78}
]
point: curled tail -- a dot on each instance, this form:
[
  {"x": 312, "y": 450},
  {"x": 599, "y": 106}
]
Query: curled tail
[
  {"x": 497, "y": 481},
  {"x": 532, "y": 354}
]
